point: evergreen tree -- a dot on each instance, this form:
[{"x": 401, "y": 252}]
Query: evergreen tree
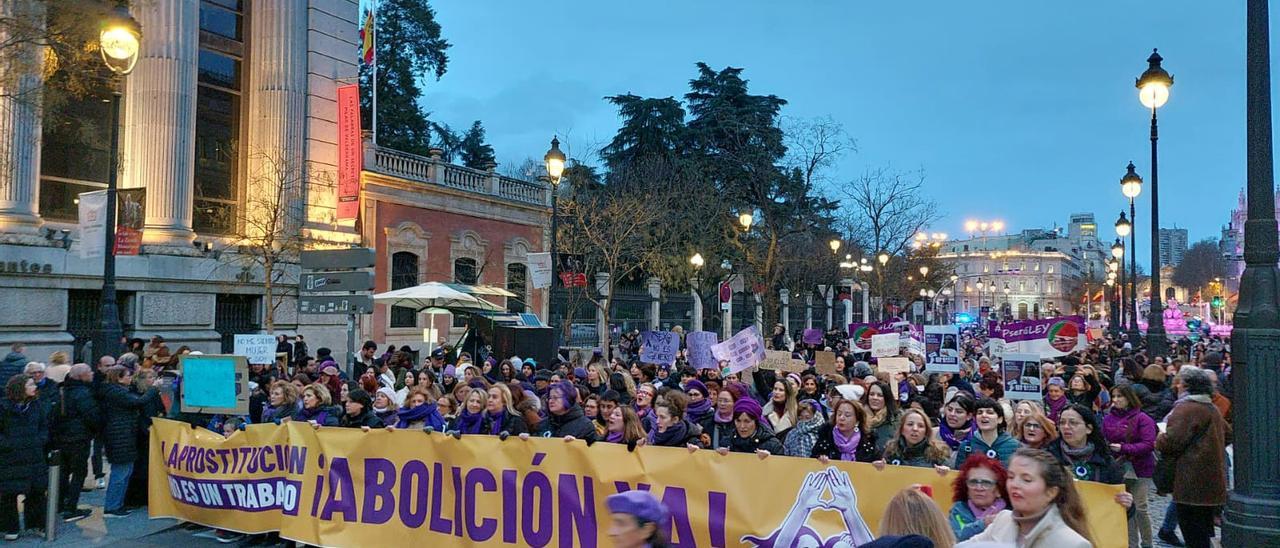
[
  {"x": 473, "y": 151},
  {"x": 650, "y": 128},
  {"x": 409, "y": 43},
  {"x": 447, "y": 140}
]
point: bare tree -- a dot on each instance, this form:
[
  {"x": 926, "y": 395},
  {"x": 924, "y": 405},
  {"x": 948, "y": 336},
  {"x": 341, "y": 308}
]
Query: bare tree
[
  {"x": 814, "y": 145},
  {"x": 266, "y": 232},
  {"x": 884, "y": 210},
  {"x": 1200, "y": 265},
  {"x": 618, "y": 232}
]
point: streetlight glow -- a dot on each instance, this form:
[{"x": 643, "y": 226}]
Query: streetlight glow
[
  {"x": 119, "y": 41},
  {"x": 835, "y": 245},
  {"x": 924, "y": 271},
  {"x": 1123, "y": 226},
  {"x": 883, "y": 258},
  {"x": 745, "y": 219},
  {"x": 555, "y": 161},
  {"x": 1117, "y": 249},
  {"x": 1153, "y": 86},
  {"x": 696, "y": 260},
  {"x": 1131, "y": 183}
]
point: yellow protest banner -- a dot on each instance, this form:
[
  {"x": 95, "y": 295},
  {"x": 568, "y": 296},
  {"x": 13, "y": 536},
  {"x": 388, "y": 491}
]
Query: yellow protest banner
[{"x": 345, "y": 487}]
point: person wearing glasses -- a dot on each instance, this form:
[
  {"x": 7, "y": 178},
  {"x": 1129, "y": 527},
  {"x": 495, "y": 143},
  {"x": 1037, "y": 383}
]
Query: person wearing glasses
[{"x": 979, "y": 494}]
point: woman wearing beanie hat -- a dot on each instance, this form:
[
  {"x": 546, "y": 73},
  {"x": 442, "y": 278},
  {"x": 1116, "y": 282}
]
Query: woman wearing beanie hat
[
  {"x": 384, "y": 405},
  {"x": 700, "y": 410},
  {"x": 637, "y": 520},
  {"x": 565, "y": 418},
  {"x": 1056, "y": 398},
  {"x": 749, "y": 434}
]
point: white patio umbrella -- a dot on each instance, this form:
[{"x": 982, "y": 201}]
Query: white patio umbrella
[{"x": 435, "y": 295}]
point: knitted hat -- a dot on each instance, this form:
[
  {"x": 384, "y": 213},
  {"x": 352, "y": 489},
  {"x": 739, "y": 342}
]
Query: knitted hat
[
  {"x": 696, "y": 385},
  {"x": 642, "y": 505},
  {"x": 580, "y": 373},
  {"x": 1058, "y": 382},
  {"x": 389, "y": 393},
  {"x": 330, "y": 370},
  {"x": 450, "y": 371},
  {"x": 850, "y": 392},
  {"x": 748, "y": 406}
]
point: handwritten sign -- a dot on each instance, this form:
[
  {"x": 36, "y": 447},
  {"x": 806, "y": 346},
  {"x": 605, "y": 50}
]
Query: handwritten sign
[
  {"x": 884, "y": 345},
  {"x": 1021, "y": 373},
  {"x": 825, "y": 363},
  {"x": 744, "y": 350},
  {"x": 699, "y": 345},
  {"x": 894, "y": 366},
  {"x": 257, "y": 349},
  {"x": 813, "y": 336},
  {"x": 780, "y": 360},
  {"x": 659, "y": 347}
]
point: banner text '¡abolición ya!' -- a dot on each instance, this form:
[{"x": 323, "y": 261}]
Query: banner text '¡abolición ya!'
[{"x": 530, "y": 502}]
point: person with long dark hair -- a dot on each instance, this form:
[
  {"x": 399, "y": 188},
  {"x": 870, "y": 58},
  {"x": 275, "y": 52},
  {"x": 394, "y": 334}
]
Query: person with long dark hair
[
  {"x": 24, "y": 431},
  {"x": 1047, "y": 510}
]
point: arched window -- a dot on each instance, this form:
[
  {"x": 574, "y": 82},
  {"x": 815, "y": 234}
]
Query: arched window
[
  {"x": 404, "y": 273},
  {"x": 517, "y": 274},
  {"x": 466, "y": 271}
]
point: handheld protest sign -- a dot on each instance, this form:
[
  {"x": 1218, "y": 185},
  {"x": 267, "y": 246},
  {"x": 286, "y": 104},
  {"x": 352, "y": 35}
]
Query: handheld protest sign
[{"x": 214, "y": 384}]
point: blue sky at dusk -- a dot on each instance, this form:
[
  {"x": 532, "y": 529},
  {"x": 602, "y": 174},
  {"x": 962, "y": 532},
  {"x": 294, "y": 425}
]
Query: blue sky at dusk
[{"x": 1015, "y": 110}]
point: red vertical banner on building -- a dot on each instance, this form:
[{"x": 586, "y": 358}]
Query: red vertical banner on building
[
  {"x": 350, "y": 154},
  {"x": 130, "y": 214}
]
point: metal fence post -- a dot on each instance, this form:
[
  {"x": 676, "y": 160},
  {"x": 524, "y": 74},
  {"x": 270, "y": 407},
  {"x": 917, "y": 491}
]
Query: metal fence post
[{"x": 51, "y": 516}]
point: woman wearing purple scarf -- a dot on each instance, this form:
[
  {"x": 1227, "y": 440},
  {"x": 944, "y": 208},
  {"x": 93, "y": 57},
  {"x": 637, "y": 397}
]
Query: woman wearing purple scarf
[
  {"x": 1056, "y": 398},
  {"x": 471, "y": 414},
  {"x": 957, "y": 420},
  {"x": 750, "y": 435},
  {"x": 979, "y": 494},
  {"x": 500, "y": 414},
  {"x": 847, "y": 436}
]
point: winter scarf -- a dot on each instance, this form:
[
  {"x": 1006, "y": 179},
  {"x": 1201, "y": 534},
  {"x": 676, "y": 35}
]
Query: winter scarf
[
  {"x": 318, "y": 413},
  {"x": 495, "y": 421},
  {"x": 698, "y": 411},
  {"x": 723, "y": 419},
  {"x": 614, "y": 437},
  {"x": 677, "y": 432},
  {"x": 428, "y": 413},
  {"x": 909, "y": 452},
  {"x": 468, "y": 422},
  {"x": 1056, "y": 406},
  {"x": 949, "y": 436},
  {"x": 992, "y": 510},
  {"x": 848, "y": 446}
]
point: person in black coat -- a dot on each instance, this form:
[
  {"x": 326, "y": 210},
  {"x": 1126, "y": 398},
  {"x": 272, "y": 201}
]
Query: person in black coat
[
  {"x": 359, "y": 411},
  {"x": 136, "y": 494},
  {"x": 846, "y": 437},
  {"x": 14, "y": 361},
  {"x": 500, "y": 413},
  {"x": 24, "y": 431},
  {"x": 317, "y": 407},
  {"x": 565, "y": 417},
  {"x": 751, "y": 433},
  {"x": 122, "y": 409},
  {"x": 76, "y": 419}
]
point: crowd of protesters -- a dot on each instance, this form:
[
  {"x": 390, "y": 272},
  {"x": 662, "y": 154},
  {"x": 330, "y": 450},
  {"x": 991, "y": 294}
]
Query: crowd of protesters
[{"x": 1016, "y": 459}]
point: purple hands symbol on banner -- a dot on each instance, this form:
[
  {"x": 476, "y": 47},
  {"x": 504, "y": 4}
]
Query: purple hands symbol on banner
[{"x": 793, "y": 533}]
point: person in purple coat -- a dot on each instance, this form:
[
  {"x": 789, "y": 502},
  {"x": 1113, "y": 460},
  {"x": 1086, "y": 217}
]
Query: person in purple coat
[{"x": 1131, "y": 435}]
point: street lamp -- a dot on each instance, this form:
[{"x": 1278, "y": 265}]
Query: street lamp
[
  {"x": 1008, "y": 300},
  {"x": 1123, "y": 226},
  {"x": 835, "y": 246},
  {"x": 697, "y": 261},
  {"x": 119, "y": 41},
  {"x": 1117, "y": 261},
  {"x": 1131, "y": 187},
  {"x": 883, "y": 258},
  {"x": 1153, "y": 91},
  {"x": 554, "y": 160},
  {"x": 745, "y": 219}
]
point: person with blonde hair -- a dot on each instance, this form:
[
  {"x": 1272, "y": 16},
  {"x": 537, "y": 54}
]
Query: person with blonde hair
[
  {"x": 500, "y": 413},
  {"x": 911, "y": 512},
  {"x": 1037, "y": 431},
  {"x": 317, "y": 406},
  {"x": 282, "y": 402}
]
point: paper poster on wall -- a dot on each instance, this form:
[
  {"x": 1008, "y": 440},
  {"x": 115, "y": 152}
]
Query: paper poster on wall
[
  {"x": 942, "y": 348},
  {"x": 884, "y": 345},
  {"x": 1021, "y": 374}
]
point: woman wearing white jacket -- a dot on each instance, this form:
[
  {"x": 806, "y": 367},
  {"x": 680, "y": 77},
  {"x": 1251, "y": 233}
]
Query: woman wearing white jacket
[{"x": 1047, "y": 511}]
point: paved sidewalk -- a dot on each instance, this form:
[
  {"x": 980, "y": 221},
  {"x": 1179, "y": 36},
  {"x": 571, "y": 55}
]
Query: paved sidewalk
[{"x": 135, "y": 530}]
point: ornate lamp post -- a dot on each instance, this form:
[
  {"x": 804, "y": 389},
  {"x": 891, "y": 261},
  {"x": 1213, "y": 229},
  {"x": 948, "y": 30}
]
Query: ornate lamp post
[
  {"x": 1252, "y": 516},
  {"x": 119, "y": 42},
  {"x": 1153, "y": 91},
  {"x": 1131, "y": 187}
]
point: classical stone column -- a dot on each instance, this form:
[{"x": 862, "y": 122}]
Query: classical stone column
[
  {"x": 808, "y": 310},
  {"x": 848, "y": 303},
  {"x": 277, "y": 88},
  {"x": 696, "y": 324},
  {"x": 784, "y": 315},
  {"x": 655, "y": 303},
  {"x": 159, "y": 140},
  {"x": 20, "y": 126}
]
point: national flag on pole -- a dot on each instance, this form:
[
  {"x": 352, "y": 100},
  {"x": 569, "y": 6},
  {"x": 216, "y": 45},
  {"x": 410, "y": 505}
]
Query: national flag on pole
[{"x": 366, "y": 39}]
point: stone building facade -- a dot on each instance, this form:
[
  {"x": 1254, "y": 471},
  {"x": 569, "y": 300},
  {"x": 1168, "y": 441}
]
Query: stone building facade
[{"x": 218, "y": 85}]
